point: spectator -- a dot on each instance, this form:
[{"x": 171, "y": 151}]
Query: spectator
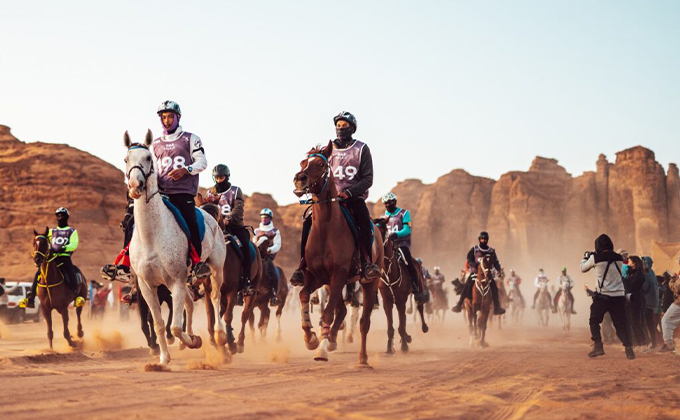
[
  {"x": 671, "y": 318},
  {"x": 651, "y": 290},
  {"x": 633, "y": 283}
]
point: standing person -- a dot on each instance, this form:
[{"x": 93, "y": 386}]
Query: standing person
[
  {"x": 474, "y": 255},
  {"x": 633, "y": 284},
  {"x": 540, "y": 280},
  {"x": 563, "y": 280},
  {"x": 671, "y": 318},
  {"x": 609, "y": 295},
  {"x": 352, "y": 167},
  {"x": 63, "y": 243},
  {"x": 651, "y": 291},
  {"x": 229, "y": 198},
  {"x": 178, "y": 159},
  {"x": 398, "y": 222},
  {"x": 269, "y": 231}
]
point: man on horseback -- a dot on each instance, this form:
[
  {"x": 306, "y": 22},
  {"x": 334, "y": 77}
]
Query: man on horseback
[
  {"x": 398, "y": 223},
  {"x": 270, "y": 232},
  {"x": 475, "y": 254},
  {"x": 63, "y": 243},
  {"x": 178, "y": 159},
  {"x": 568, "y": 283},
  {"x": 230, "y": 200},
  {"x": 541, "y": 280},
  {"x": 352, "y": 167}
]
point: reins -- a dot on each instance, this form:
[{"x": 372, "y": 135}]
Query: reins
[{"x": 48, "y": 258}]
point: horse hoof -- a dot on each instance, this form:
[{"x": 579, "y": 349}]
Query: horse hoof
[
  {"x": 425, "y": 328},
  {"x": 81, "y": 334},
  {"x": 182, "y": 346},
  {"x": 332, "y": 346},
  {"x": 233, "y": 348},
  {"x": 240, "y": 348},
  {"x": 350, "y": 339},
  {"x": 364, "y": 366},
  {"x": 165, "y": 359},
  {"x": 196, "y": 342},
  {"x": 409, "y": 339},
  {"x": 321, "y": 356},
  {"x": 313, "y": 342},
  {"x": 154, "y": 351},
  {"x": 220, "y": 338},
  {"x": 404, "y": 348},
  {"x": 170, "y": 340}
]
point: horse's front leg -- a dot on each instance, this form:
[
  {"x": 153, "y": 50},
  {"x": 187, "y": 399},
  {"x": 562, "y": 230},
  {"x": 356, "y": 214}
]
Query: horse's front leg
[
  {"x": 47, "y": 314},
  {"x": 311, "y": 340},
  {"x": 150, "y": 295},
  {"x": 79, "y": 311},
  {"x": 219, "y": 329},
  {"x": 337, "y": 282},
  {"x": 340, "y": 314},
  {"x": 210, "y": 312},
  {"x": 228, "y": 319},
  {"x": 67, "y": 333},
  {"x": 401, "y": 311},
  {"x": 248, "y": 308},
  {"x": 365, "y": 324},
  {"x": 423, "y": 324},
  {"x": 182, "y": 300},
  {"x": 388, "y": 306}
]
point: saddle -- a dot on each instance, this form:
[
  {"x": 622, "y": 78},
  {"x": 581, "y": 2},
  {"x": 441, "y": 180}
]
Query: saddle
[
  {"x": 237, "y": 246},
  {"x": 200, "y": 220}
]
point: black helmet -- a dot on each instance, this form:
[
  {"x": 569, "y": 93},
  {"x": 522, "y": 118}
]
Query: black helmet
[
  {"x": 346, "y": 116},
  {"x": 484, "y": 235},
  {"x": 62, "y": 210},
  {"x": 221, "y": 170}
]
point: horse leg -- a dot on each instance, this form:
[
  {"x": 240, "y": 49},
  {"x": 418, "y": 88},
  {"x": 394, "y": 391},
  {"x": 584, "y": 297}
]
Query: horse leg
[
  {"x": 340, "y": 314},
  {"x": 311, "y": 340},
  {"x": 228, "y": 319},
  {"x": 423, "y": 324},
  {"x": 279, "y": 311},
  {"x": 248, "y": 308},
  {"x": 210, "y": 312},
  {"x": 401, "y": 312},
  {"x": 167, "y": 298},
  {"x": 151, "y": 297},
  {"x": 146, "y": 321},
  {"x": 47, "y": 314},
  {"x": 79, "y": 311},
  {"x": 182, "y": 300},
  {"x": 334, "y": 299},
  {"x": 365, "y": 324},
  {"x": 219, "y": 331},
  {"x": 67, "y": 333}
]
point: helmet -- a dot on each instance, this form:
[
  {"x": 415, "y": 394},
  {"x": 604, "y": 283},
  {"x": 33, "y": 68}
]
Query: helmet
[
  {"x": 169, "y": 106},
  {"x": 221, "y": 170},
  {"x": 389, "y": 197},
  {"x": 436, "y": 268},
  {"x": 62, "y": 210},
  {"x": 346, "y": 116},
  {"x": 267, "y": 212},
  {"x": 420, "y": 260},
  {"x": 484, "y": 235},
  {"x": 564, "y": 269}
]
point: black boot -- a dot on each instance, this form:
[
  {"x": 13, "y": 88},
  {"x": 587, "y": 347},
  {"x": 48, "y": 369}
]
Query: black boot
[
  {"x": 598, "y": 349},
  {"x": 247, "y": 288},
  {"x": 298, "y": 277},
  {"x": 239, "y": 298},
  {"x": 630, "y": 354},
  {"x": 466, "y": 293},
  {"x": 497, "y": 310},
  {"x": 420, "y": 297}
]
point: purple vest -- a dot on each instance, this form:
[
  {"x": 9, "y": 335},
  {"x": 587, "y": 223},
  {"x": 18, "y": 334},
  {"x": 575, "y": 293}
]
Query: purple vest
[
  {"x": 60, "y": 238},
  {"x": 174, "y": 155},
  {"x": 395, "y": 224},
  {"x": 226, "y": 201},
  {"x": 345, "y": 164}
]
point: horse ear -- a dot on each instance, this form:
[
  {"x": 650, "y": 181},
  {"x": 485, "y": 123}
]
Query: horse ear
[
  {"x": 35, "y": 233},
  {"x": 328, "y": 149},
  {"x": 47, "y": 230},
  {"x": 126, "y": 140},
  {"x": 149, "y": 138}
]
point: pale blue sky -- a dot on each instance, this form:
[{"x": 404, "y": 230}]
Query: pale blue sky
[{"x": 436, "y": 85}]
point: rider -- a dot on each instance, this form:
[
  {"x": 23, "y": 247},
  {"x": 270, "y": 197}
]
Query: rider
[
  {"x": 268, "y": 230},
  {"x": 230, "y": 200},
  {"x": 63, "y": 242},
  {"x": 398, "y": 222},
  {"x": 437, "y": 279},
  {"x": 473, "y": 258},
  {"x": 541, "y": 280},
  {"x": 426, "y": 272},
  {"x": 564, "y": 279},
  {"x": 352, "y": 167},
  {"x": 178, "y": 159},
  {"x": 513, "y": 283}
]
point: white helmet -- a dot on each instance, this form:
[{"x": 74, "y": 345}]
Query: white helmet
[
  {"x": 169, "y": 106},
  {"x": 267, "y": 212},
  {"x": 436, "y": 268},
  {"x": 62, "y": 210},
  {"x": 389, "y": 197}
]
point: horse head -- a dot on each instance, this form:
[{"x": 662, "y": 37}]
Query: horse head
[
  {"x": 314, "y": 174},
  {"x": 214, "y": 210},
  {"x": 484, "y": 273},
  {"x": 41, "y": 247},
  {"x": 262, "y": 245},
  {"x": 138, "y": 165}
]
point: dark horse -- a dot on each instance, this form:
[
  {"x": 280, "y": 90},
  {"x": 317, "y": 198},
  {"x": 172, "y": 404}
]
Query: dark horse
[
  {"x": 478, "y": 309},
  {"x": 146, "y": 318},
  {"x": 332, "y": 256},
  {"x": 230, "y": 287},
  {"x": 262, "y": 300},
  {"x": 53, "y": 292},
  {"x": 395, "y": 288}
]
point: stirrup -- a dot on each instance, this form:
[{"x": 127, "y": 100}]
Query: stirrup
[
  {"x": 80, "y": 302},
  {"x": 26, "y": 303}
]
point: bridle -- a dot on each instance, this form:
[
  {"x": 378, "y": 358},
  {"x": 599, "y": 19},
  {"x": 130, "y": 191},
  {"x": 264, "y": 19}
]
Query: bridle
[
  {"x": 324, "y": 178},
  {"x": 37, "y": 253},
  {"x": 483, "y": 285},
  {"x": 46, "y": 259},
  {"x": 146, "y": 175}
]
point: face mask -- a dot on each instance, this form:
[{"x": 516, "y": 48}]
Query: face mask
[
  {"x": 222, "y": 186},
  {"x": 344, "y": 133},
  {"x": 391, "y": 208},
  {"x": 62, "y": 222}
]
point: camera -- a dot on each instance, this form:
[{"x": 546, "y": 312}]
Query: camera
[{"x": 587, "y": 254}]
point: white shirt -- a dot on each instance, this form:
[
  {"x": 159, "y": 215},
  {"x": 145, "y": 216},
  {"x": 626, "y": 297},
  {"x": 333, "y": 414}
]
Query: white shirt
[
  {"x": 565, "y": 280},
  {"x": 541, "y": 280},
  {"x": 276, "y": 243}
]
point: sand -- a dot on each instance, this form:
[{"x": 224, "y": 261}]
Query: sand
[{"x": 528, "y": 372}]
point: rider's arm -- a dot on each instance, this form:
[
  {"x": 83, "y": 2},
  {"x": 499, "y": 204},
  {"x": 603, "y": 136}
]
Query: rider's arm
[
  {"x": 496, "y": 263},
  {"x": 72, "y": 242},
  {"x": 537, "y": 283},
  {"x": 276, "y": 246},
  {"x": 236, "y": 216},
  {"x": 406, "y": 229},
  {"x": 197, "y": 155},
  {"x": 587, "y": 264},
  {"x": 210, "y": 197},
  {"x": 365, "y": 174},
  {"x": 472, "y": 264}
]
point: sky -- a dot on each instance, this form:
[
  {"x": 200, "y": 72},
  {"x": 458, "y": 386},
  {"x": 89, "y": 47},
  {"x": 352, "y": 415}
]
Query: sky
[{"x": 435, "y": 85}]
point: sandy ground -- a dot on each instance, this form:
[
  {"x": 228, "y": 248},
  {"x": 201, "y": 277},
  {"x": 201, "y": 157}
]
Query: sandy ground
[{"x": 528, "y": 372}]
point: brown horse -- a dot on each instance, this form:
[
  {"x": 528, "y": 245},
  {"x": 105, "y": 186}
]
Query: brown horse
[
  {"x": 395, "y": 288},
  {"x": 479, "y": 308},
  {"x": 332, "y": 255},
  {"x": 230, "y": 288},
  {"x": 53, "y": 291},
  {"x": 263, "y": 299}
]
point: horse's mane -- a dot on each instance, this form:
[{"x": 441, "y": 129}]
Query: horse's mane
[
  {"x": 212, "y": 209},
  {"x": 316, "y": 149}
]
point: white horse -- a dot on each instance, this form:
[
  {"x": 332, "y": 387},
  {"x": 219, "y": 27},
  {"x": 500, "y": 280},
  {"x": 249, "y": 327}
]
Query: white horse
[
  {"x": 564, "y": 306},
  {"x": 517, "y": 304},
  {"x": 159, "y": 249},
  {"x": 543, "y": 305}
]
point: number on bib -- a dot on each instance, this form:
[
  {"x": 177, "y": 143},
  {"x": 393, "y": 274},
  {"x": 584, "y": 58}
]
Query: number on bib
[
  {"x": 177, "y": 163},
  {"x": 226, "y": 210},
  {"x": 345, "y": 171},
  {"x": 59, "y": 241}
]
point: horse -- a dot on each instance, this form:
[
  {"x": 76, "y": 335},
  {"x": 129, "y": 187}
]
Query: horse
[
  {"x": 479, "y": 307},
  {"x": 53, "y": 292},
  {"x": 159, "y": 250},
  {"x": 503, "y": 297},
  {"x": 319, "y": 297},
  {"x": 543, "y": 305},
  {"x": 564, "y": 306},
  {"x": 263, "y": 300},
  {"x": 517, "y": 304},
  {"x": 332, "y": 255},
  {"x": 395, "y": 288},
  {"x": 439, "y": 302}
]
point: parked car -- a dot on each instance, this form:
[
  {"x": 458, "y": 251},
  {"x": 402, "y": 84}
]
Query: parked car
[{"x": 10, "y": 310}]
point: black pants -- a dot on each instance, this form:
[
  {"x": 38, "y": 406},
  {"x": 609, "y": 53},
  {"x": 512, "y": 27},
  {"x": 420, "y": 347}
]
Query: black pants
[
  {"x": 616, "y": 306},
  {"x": 411, "y": 267},
  {"x": 129, "y": 227},
  {"x": 651, "y": 327},
  {"x": 243, "y": 236},
  {"x": 362, "y": 218},
  {"x": 272, "y": 274},
  {"x": 637, "y": 323},
  {"x": 186, "y": 206}
]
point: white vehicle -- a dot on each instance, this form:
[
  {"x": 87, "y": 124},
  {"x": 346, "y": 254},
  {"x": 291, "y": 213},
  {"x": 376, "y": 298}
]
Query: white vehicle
[{"x": 9, "y": 307}]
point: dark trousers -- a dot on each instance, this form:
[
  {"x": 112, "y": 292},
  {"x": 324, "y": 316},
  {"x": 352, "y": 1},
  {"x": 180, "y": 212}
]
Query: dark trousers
[
  {"x": 637, "y": 326},
  {"x": 129, "y": 227},
  {"x": 651, "y": 325},
  {"x": 243, "y": 236},
  {"x": 411, "y": 267},
  {"x": 186, "y": 206},
  {"x": 616, "y": 306},
  {"x": 271, "y": 273}
]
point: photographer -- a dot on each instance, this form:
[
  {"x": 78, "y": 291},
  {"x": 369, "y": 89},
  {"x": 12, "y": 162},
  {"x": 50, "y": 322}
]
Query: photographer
[{"x": 609, "y": 295}]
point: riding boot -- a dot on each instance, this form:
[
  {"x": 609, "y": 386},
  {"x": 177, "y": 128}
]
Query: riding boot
[
  {"x": 497, "y": 310},
  {"x": 29, "y": 300},
  {"x": 465, "y": 293},
  {"x": 598, "y": 349},
  {"x": 298, "y": 277}
]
